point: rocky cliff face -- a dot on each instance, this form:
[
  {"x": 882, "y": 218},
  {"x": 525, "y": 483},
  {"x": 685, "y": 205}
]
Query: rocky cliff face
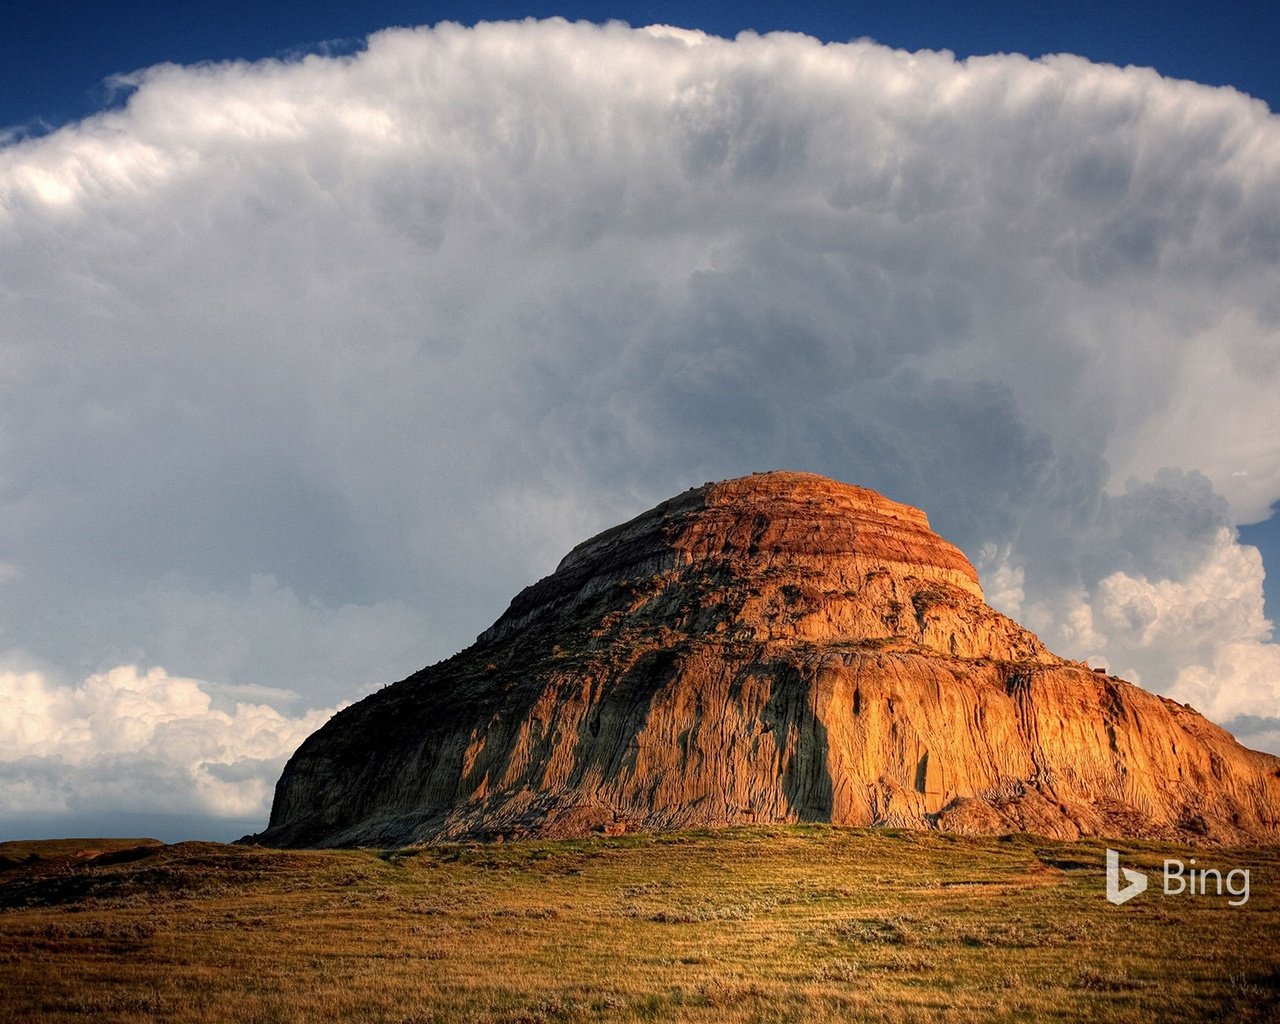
[{"x": 776, "y": 648}]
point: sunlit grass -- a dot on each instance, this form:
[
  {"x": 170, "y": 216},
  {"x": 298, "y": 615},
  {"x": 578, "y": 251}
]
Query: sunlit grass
[{"x": 805, "y": 923}]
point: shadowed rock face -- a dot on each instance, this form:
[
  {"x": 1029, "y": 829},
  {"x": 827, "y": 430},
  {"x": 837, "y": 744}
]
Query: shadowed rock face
[{"x": 776, "y": 648}]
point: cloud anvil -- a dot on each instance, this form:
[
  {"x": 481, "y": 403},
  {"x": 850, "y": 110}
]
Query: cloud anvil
[{"x": 308, "y": 364}]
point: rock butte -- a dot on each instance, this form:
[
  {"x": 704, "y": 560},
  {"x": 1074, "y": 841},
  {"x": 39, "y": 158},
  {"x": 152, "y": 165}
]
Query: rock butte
[{"x": 776, "y": 648}]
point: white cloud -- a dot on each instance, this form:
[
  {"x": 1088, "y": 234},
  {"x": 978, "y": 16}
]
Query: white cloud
[
  {"x": 1202, "y": 638},
  {"x": 1002, "y": 581},
  {"x": 1221, "y": 601},
  {"x": 1256, "y": 732},
  {"x": 388, "y": 333},
  {"x": 125, "y": 740},
  {"x": 1242, "y": 679}
]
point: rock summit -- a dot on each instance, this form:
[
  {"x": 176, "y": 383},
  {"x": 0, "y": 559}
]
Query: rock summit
[{"x": 775, "y": 648}]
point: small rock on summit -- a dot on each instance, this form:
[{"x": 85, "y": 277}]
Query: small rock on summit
[{"x": 775, "y": 648}]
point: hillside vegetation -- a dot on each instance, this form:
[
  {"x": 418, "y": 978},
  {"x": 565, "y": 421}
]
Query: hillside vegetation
[{"x": 802, "y": 923}]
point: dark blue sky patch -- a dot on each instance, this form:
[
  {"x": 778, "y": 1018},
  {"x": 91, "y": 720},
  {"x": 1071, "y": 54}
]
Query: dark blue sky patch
[{"x": 56, "y": 57}]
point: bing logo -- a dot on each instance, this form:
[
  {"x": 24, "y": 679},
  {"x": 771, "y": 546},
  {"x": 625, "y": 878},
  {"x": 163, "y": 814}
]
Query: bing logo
[{"x": 1179, "y": 879}]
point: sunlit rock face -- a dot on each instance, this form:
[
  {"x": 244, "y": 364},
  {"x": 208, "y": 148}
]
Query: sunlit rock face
[{"x": 775, "y": 648}]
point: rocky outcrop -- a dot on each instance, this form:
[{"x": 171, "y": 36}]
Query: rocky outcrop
[{"x": 776, "y": 648}]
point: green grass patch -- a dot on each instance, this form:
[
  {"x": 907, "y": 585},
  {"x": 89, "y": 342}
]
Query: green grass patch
[{"x": 800, "y": 923}]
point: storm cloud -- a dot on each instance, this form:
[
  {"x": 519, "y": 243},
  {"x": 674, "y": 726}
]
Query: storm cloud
[{"x": 308, "y": 366}]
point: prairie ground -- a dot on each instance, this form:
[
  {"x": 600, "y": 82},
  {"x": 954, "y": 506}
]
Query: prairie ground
[{"x": 800, "y": 923}]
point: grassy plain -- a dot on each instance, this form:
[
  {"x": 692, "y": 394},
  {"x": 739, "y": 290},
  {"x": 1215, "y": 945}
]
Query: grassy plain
[{"x": 800, "y": 923}]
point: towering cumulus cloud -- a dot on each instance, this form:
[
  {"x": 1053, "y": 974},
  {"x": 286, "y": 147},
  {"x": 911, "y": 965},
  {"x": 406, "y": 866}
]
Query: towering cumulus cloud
[
  {"x": 307, "y": 365},
  {"x": 124, "y": 739}
]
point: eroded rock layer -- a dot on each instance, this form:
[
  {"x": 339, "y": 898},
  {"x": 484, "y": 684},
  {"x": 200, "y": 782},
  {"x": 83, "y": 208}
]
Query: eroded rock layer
[{"x": 776, "y": 648}]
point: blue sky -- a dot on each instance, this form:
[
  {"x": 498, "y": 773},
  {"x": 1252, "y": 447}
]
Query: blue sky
[
  {"x": 308, "y": 367},
  {"x": 56, "y": 55}
]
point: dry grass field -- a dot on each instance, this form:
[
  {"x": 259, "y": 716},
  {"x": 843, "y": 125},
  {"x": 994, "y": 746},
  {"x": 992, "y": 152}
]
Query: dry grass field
[{"x": 804, "y": 923}]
